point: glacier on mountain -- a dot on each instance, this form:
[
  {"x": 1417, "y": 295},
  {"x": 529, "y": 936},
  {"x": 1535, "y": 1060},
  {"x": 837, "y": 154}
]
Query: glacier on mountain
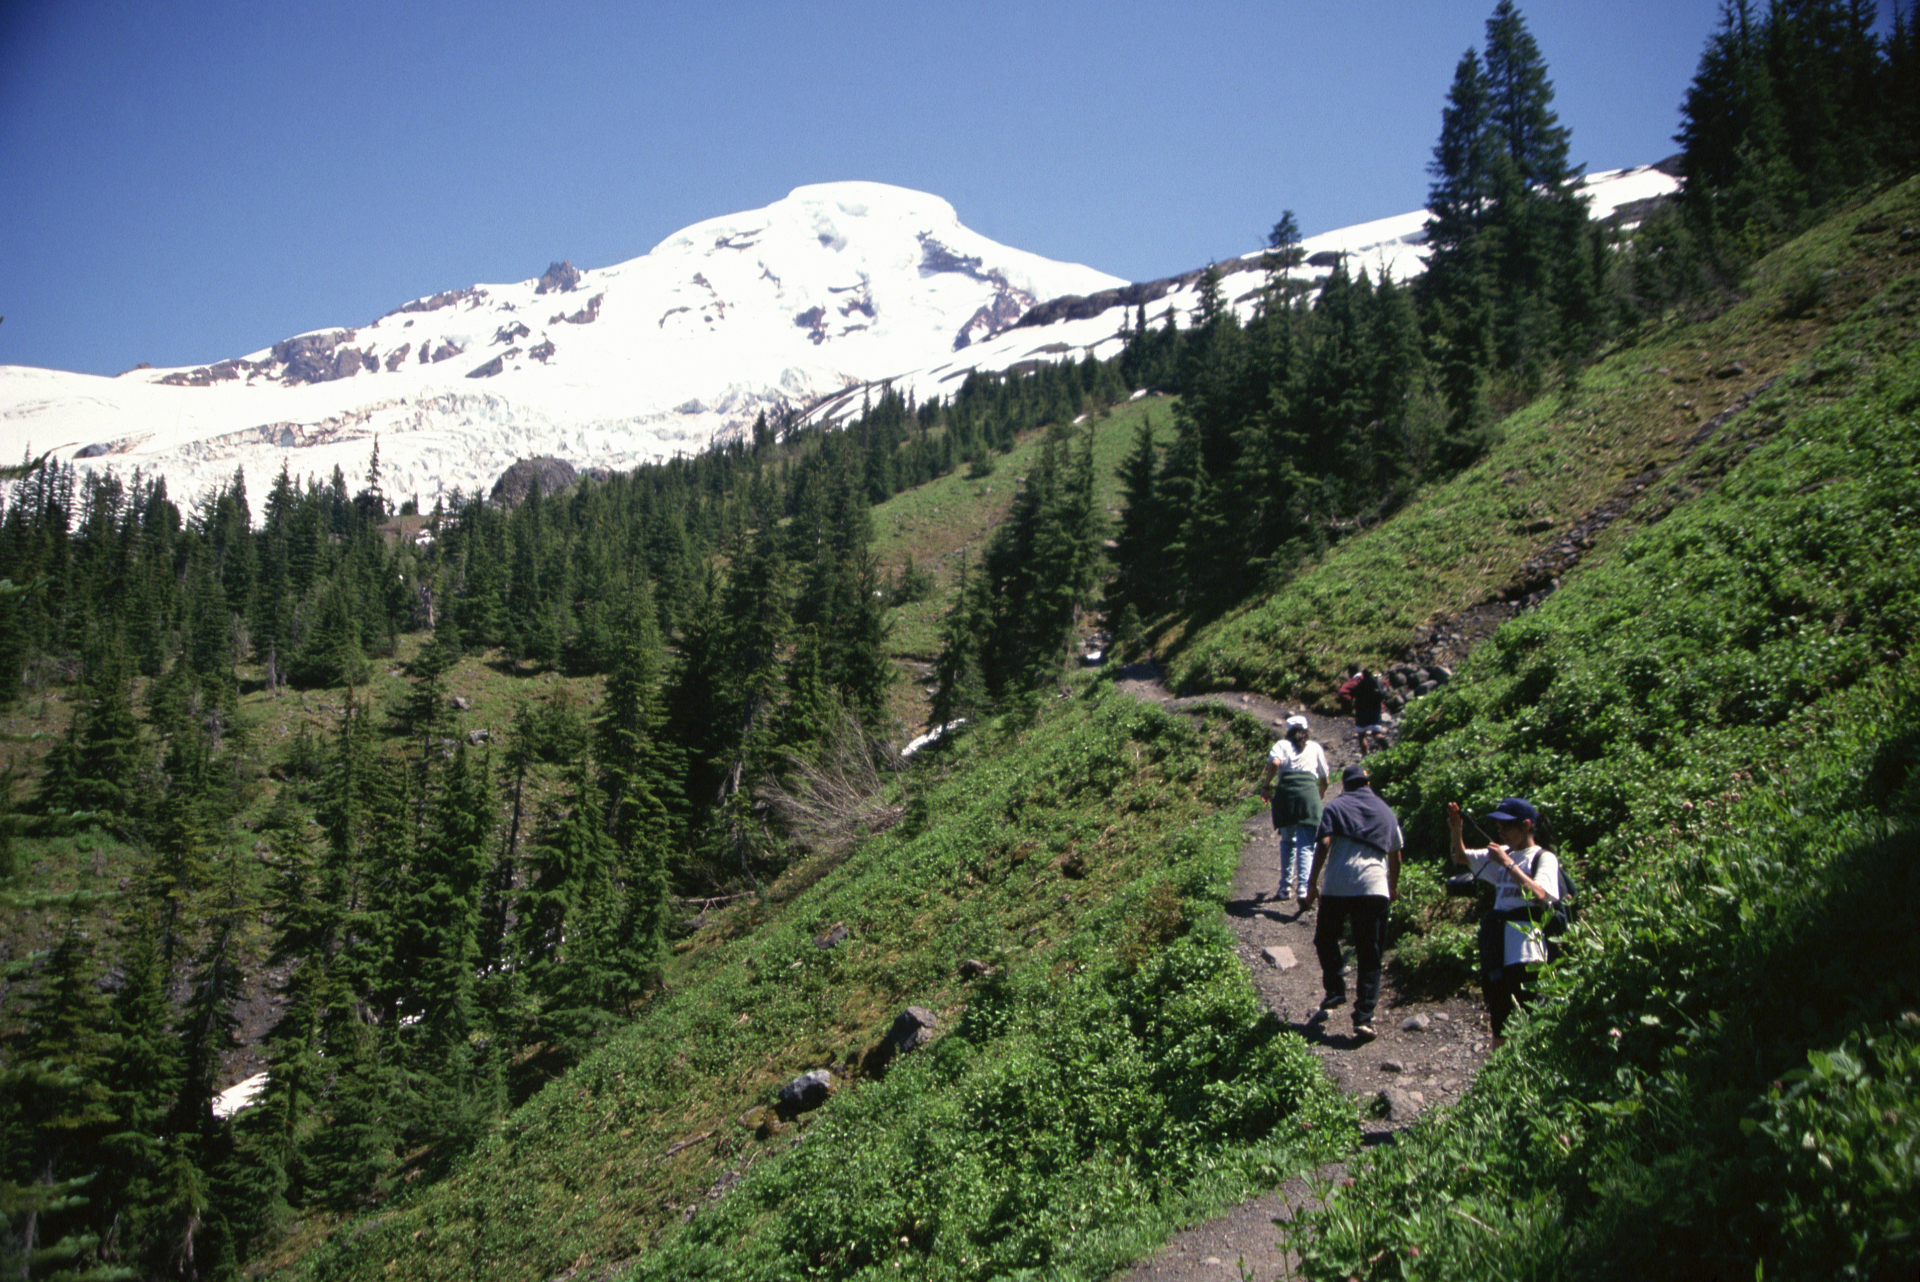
[{"x": 802, "y": 304}]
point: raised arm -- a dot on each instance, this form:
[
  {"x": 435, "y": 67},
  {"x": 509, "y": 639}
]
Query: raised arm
[{"x": 1456, "y": 837}]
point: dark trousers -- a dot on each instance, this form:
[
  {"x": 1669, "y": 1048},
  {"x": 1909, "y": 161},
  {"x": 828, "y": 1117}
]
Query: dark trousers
[
  {"x": 1368, "y": 913},
  {"x": 1508, "y": 989}
]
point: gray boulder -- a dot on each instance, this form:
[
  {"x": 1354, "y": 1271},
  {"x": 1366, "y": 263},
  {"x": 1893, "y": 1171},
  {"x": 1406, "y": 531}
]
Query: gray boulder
[
  {"x": 806, "y": 1092},
  {"x": 549, "y": 475},
  {"x": 912, "y": 1028}
]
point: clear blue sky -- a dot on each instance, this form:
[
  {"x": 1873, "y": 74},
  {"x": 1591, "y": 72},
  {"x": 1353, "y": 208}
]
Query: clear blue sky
[{"x": 182, "y": 182}]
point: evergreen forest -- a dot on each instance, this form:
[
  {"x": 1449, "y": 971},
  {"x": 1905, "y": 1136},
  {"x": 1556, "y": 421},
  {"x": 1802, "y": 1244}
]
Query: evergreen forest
[{"x": 520, "y": 854}]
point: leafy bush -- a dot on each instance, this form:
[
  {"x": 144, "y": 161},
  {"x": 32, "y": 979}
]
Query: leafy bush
[{"x": 1044, "y": 1134}]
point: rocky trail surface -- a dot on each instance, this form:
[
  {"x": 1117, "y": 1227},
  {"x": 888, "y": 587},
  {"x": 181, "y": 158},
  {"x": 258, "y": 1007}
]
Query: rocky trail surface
[{"x": 1426, "y": 1053}]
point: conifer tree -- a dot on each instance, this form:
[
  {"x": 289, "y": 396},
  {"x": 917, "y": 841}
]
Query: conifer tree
[
  {"x": 960, "y": 692},
  {"x": 568, "y": 915},
  {"x": 54, "y": 1115},
  {"x": 1137, "y": 562}
]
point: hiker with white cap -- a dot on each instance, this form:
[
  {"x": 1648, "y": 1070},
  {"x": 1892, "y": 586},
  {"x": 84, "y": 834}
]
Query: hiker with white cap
[{"x": 1302, "y": 770}]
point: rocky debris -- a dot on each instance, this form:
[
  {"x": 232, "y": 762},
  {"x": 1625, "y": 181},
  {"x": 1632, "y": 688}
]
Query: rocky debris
[
  {"x": 479, "y": 736},
  {"x": 460, "y": 703},
  {"x": 446, "y": 351},
  {"x": 974, "y": 968},
  {"x": 806, "y": 1092},
  {"x": 831, "y": 936},
  {"x": 1397, "y": 1105},
  {"x": 1408, "y": 681},
  {"x": 511, "y": 333},
  {"x": 550, "y": 475},
  {"x": 1415, "y": 1024},
  {"x": 1282, "y": 957},
  {"x": 560, "y": 278},
  {"x": 542, "y": 352}
]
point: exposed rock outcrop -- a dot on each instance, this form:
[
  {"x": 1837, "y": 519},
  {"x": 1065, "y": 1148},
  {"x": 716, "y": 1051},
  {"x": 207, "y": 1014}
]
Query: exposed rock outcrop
[
  {"x": 585, "y": 316},
  {"x": 1084, "y": 307},
  {"x": 549, "y": 475},
  {"x": 560, "y": 278},
  {"x": 446, "y": 298}
]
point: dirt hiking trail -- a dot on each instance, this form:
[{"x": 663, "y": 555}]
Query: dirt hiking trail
[{"x": 1426, "y": 1053}]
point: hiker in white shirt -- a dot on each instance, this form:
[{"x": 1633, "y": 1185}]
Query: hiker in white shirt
[{"x": 1300, "y": 765}]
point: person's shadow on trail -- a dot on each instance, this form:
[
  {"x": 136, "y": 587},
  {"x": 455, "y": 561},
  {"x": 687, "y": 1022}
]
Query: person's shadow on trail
[{"x": 1281, "y": 910}]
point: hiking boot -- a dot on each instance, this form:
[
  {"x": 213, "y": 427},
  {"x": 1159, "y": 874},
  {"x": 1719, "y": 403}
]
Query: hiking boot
[
  {"x": 1363, "y": 1030},
  {"x": 1327, "y": 1008}
]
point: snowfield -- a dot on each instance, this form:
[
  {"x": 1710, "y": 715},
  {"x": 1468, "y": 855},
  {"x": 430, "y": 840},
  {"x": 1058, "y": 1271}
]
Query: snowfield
[{"x": 804, "y": 303}]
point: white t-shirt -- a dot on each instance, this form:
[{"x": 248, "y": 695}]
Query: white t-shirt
[
  {"x": 1525, "y": 943},
  {"x": 1356, "y": 868},
  {"x": 1312, "y": 759}
]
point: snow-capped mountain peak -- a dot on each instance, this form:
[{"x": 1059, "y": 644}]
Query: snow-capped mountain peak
[{"x": 800, "y": 304}]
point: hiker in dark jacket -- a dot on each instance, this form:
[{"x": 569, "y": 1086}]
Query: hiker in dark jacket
[
  {"x": 1358, "y": 850},
  {"x": 1370, "y": 711}
]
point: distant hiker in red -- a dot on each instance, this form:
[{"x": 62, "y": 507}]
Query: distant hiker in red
[{"x": 1364, "y": 691}]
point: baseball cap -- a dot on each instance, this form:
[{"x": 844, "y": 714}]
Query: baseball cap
[{"x": 1513, "y": 810}]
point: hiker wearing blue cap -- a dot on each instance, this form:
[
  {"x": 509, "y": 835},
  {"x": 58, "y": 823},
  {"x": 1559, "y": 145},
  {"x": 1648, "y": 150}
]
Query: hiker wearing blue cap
[{"x": 1526, "y": 881}]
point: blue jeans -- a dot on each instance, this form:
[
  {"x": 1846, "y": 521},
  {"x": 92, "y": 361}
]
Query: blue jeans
[{"x": 1296, "y": 858}]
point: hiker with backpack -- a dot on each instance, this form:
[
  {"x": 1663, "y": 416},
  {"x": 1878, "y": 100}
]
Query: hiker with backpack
[
  {"x": 1298, "y": 767},
  {"x": 1528, "y": 888},
  {"x": 1365, "y": 691}
]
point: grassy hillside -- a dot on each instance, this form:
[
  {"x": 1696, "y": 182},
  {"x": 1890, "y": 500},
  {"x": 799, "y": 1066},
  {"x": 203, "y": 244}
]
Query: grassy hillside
[
  {"x": 1642, "y": 430},
  {"x": 1716, "y": 704},
  {"x": 1111, "y": 1076},
  {"x": 938, "y": 524},
  {"x": 1719, "y": 711}
]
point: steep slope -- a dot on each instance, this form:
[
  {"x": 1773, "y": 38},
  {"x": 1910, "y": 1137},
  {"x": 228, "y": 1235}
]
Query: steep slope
[
  {"x": 1100, "y": 1069},
  {"x": 1786, "y": 667}
]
